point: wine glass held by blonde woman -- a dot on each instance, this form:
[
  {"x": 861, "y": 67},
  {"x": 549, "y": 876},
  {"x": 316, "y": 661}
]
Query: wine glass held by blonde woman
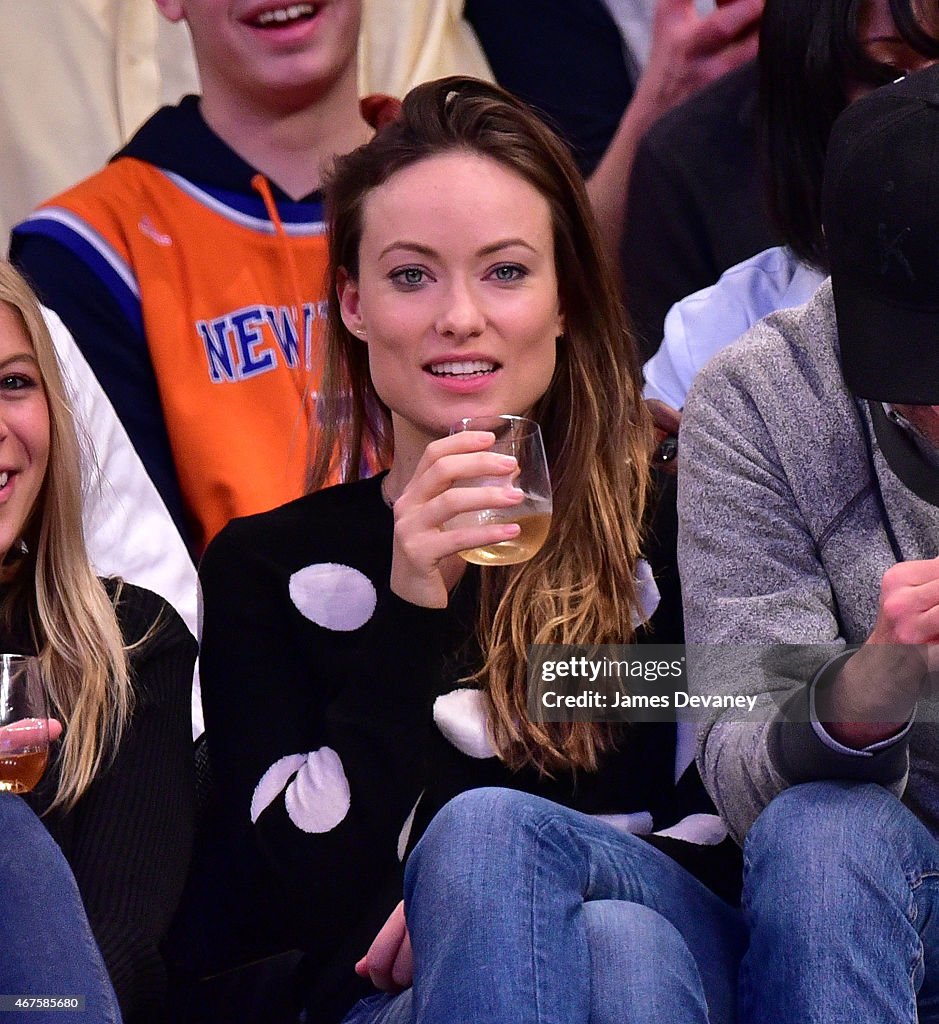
[
  {"x": 357, "y": 673},
  {"x": 118, "y": 796}
]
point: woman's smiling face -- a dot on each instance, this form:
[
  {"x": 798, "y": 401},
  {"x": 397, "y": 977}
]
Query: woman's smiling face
[
  {"x": 457, "y": 293},
  {"x": 24, "y": 429}
]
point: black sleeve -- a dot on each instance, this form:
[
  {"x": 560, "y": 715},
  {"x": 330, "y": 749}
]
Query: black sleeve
[
  {"x": 115, "y": 348},
  {"x": 564, "y": 57},
  {"x": 695, "y": 204},
  {"x": 665, "y": 250},
  {"x": 276, "y": 695},
  {"x": 133, "y": 828}
]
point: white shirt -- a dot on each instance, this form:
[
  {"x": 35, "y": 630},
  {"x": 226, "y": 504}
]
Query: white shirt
[
  {"x": 699, "y": 326},
  {"x": 128, "y": 531}
]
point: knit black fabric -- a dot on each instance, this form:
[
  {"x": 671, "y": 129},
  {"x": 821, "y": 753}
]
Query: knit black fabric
[
  {"x": 276, "y": 685},
  {"x": 128, "y": 839}
]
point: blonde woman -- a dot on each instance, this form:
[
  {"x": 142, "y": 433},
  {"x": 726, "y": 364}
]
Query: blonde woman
[
  {"x": 117, "y": 662},
  {"x": 357, "y": 674}
]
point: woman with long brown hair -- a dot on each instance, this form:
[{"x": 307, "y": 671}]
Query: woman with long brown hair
[
  {"x": 357, "y": 674},
  {"x": 116, "y": 662}
]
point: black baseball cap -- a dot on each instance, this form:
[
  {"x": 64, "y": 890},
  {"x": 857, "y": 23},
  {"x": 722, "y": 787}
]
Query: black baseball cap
[{"x": 880, "y": 213}]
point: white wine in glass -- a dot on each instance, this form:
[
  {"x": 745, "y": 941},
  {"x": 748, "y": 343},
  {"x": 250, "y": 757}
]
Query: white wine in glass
[
  {"x": 24, "y": 723},
  {"x": 521, "y": 438}
]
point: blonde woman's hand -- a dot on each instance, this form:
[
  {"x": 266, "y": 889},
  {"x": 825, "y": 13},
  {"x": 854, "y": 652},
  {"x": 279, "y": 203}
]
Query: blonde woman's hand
[
  {"x": 389, "y": 962},
  {"x": 29, "y": 731},
  {"x": 425, "y": 565}
]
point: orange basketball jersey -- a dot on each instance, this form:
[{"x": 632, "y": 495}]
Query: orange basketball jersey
[{"x": 229, "y": 304}]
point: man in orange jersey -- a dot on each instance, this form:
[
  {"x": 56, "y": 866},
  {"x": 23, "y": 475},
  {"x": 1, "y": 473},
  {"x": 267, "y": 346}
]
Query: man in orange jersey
[{"x": 190, "y": 269}]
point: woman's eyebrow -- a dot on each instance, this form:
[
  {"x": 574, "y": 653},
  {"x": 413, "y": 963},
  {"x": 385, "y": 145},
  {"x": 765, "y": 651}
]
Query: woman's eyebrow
[
  {"x": 507, "y": 243},
  {"x": 17, "y": 357},
  {"x": 421, "y": 250}
]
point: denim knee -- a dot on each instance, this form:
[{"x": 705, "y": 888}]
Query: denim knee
[
  {"x": 464, "y": 830},
  {"x": 618, "y": 930},
  {"x": 28, "y": 851},
  {"x": 827, "y": 829},
  {"x": 641, "y": 968}
]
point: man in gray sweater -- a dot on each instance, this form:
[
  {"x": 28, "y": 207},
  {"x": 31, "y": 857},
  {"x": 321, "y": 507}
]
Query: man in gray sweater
[{"x": 808, "y": 544}]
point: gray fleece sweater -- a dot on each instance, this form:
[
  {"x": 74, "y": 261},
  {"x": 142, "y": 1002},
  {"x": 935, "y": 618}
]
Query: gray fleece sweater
[{"x": 782, "y": 541}]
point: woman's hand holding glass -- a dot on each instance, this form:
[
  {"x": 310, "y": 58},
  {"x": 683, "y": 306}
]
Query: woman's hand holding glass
[
  {"x": 426, "y": 564},
  {"x": 520, "y": 438},
  {"x": 25, "y": 727}
]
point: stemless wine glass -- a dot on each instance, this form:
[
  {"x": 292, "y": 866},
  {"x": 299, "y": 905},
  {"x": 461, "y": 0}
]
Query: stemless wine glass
[
  {"x": 521, "y": 438},
  {"x": 24, "y": 723}
]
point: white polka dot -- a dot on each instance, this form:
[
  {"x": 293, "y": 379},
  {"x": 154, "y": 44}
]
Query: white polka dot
[
  {"x": 317, "y": 800},
  {"x": 405, "y": 833},
  {"x": 272, "y": 782},
  {"x": 639, "y": 823},
  {"x": 461, "y": 716},
  {"x": 333, "y": 596},
  {"x": 700, "y": 829},
  {"x": 647, "y": 591}
]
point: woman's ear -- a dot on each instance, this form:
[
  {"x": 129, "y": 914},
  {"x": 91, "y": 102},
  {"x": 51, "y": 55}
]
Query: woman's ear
[{"x": 349, "y": 303}]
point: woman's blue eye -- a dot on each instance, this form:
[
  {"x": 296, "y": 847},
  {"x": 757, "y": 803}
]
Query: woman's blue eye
[
  {"x": 409, "y": 276},
  {"x": 508, "y": 272}
]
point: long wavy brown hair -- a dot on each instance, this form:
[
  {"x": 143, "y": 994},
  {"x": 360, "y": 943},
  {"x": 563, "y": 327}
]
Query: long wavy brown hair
[
  {"x": 580, "y": 588},
  {"x": 54, "y": 590}
]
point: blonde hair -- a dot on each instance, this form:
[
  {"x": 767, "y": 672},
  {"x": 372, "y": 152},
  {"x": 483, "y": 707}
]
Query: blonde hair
[
  {"x": 581, "y": 587},
  {"x": 72, "y": 620}
]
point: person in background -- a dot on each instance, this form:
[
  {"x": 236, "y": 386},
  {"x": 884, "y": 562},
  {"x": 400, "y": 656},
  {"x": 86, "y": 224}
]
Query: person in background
[
  {"x": 190, "y": 270},
  {"x": 696, "y": 201},
  {"x": 808, "y": 544},
  {"x": 804, "y": 86},
  {"x": 815, "y": 57},
  {"x": 118, "y": 795},
  {"x": 108, "y": 66}
]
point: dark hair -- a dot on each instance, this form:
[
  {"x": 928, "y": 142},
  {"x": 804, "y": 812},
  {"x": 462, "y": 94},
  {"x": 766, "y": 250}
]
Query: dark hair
[
  {"x": 581, "y": 587},
  {"x": 809, "y": 51}
]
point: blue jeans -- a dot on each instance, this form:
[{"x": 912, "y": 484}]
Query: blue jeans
[
  {"x": 842, "y": 899},
  {"x": 521, "y": 911},
  {"x": 46, "y": 946}
]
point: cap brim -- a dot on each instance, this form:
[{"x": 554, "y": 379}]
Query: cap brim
[{"x": 889, "y": 352}]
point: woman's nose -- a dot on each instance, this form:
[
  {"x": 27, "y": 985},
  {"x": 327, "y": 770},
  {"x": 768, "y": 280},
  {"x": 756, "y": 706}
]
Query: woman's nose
[{"x": 461, "y": 315}]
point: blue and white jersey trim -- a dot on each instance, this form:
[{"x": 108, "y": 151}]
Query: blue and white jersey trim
[
  {"x": 249, "y": 212},
  {"x": 69, "y": 230}
]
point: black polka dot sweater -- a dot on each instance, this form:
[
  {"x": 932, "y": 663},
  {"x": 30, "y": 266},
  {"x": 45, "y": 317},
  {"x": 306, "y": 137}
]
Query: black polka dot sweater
[{"x": 339, "y": 719}]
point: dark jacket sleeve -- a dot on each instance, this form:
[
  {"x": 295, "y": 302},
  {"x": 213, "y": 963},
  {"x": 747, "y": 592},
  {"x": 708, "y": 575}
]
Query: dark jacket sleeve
[
  {"x": 113, "y": 344},
  {"x": 133, "y": 829},
  {"x": 696, "y": 201},
  {"x": 317, "y": 737},
  {"x": 566, "y": 59},
  {"x": 665, "y": 249}
]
